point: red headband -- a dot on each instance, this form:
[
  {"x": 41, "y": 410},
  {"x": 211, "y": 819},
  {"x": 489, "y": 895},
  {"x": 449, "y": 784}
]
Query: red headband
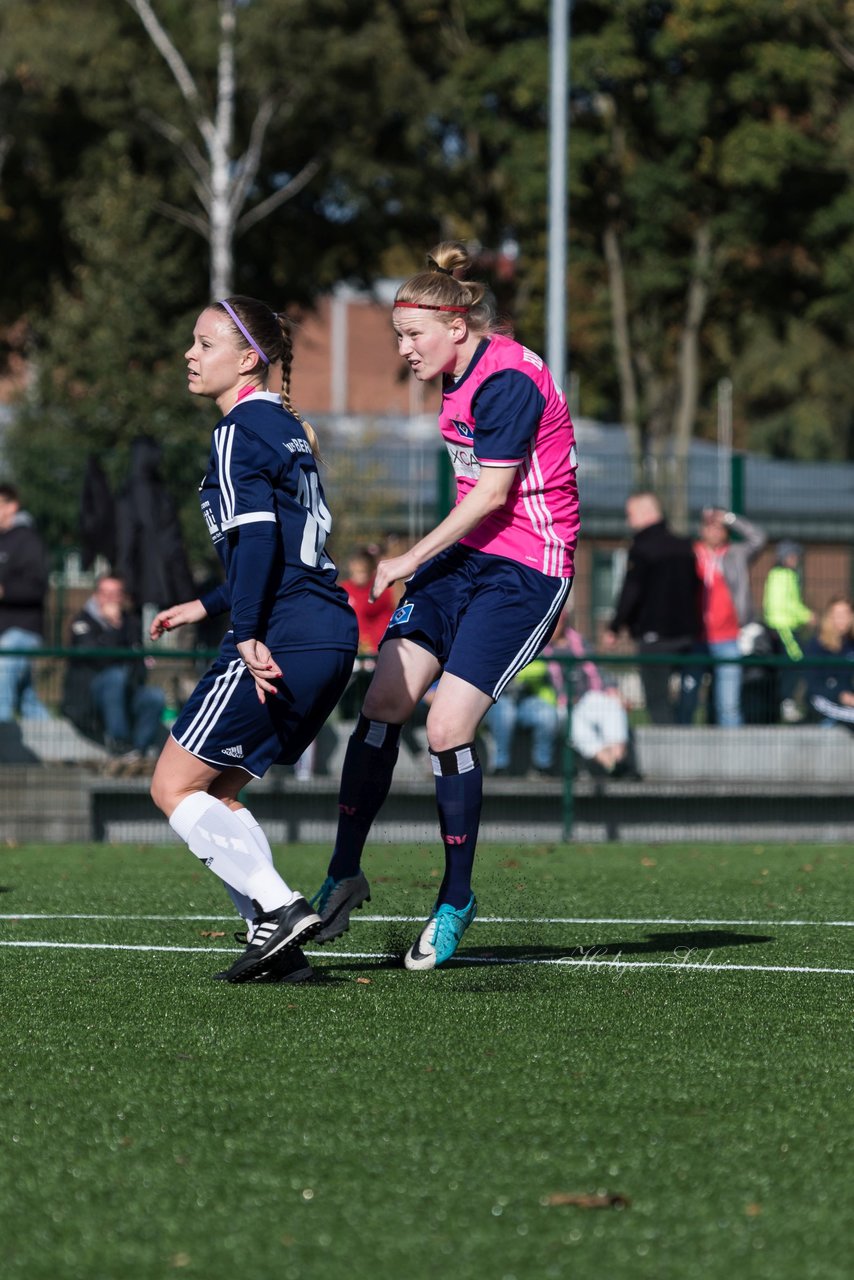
[{"x": 429, "y": 306}]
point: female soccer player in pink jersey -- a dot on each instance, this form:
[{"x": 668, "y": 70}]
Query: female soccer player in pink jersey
[{"x": 484, "y": 589}]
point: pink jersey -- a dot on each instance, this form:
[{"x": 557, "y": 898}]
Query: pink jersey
[{"x": 505, "y": 411}]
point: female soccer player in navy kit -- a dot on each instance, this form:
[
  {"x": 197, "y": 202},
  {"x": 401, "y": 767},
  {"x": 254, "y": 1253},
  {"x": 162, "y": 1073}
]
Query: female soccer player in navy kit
[
  {"x": 484, "y": 589},
  {"x": 286, "y": 661}
]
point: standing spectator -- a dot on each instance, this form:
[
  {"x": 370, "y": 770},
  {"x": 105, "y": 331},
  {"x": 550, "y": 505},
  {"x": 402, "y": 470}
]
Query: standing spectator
[
  {"x": 659, "y": 605},
  {"x": 727, "y": 602},
  {"x": 107, "y": 697},
  {"x": 786, "y": 613},
  {"x": 831, "y": 689},
  {"x": 372, "y": 615},
  {"x": 23, "y": 586}
]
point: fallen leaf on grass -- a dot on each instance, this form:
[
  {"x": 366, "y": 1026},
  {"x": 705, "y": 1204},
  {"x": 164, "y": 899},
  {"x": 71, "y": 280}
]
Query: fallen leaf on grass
[
  {"x": 211, "y": 933},
  {"x": 365, "y": 982},
  {"x": 179, "y": 1260},
  {"x": 584, "y": 1200},
  {"x": 753, "y": 1210},
  {"x": 648, "y": 862}
]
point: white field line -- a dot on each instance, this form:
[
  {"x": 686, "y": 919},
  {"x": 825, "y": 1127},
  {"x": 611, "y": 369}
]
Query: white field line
[
  {"x": 480, "y": 920},
  {"x": 569, "y": 962}
]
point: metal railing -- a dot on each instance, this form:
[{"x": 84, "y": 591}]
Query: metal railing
[{"x": 760, "y": 763}]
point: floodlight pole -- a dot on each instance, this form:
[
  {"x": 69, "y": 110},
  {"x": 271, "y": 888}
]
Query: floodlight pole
[{"x": 557, "y": 303}]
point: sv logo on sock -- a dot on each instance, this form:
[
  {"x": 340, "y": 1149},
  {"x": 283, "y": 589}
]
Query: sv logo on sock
[{"x": 455, "y": 839}]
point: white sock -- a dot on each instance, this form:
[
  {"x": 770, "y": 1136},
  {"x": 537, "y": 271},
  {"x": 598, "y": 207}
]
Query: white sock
[
  {"x": 242, "y": 903},
  {"x": 222, "y": 842},
  {"x": 258, "y": 835}
]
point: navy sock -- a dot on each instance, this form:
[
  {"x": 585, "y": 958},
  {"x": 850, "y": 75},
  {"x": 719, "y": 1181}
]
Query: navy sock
[
  {"x": 365, "y": 780},
  {"x": 459, "y": 797}
]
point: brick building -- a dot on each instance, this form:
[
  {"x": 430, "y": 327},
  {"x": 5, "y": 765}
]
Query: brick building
[{"x": 346, "y": 361}]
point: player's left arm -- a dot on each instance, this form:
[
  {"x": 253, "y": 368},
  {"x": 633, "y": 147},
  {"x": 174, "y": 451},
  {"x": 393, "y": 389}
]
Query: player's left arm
[
  {"x": 489, "y": 494},
  {"x": 250, "y": 522},
  {"x": 507, "y": 411}
]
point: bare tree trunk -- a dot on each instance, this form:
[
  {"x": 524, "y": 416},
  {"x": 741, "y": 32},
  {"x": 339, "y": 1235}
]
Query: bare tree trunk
[
  {"x": 688, "y": 373},
  {"x": 629, "y": 408},
  {"x": 221, "y": 180},
  {"x": 221, "y": 218}
]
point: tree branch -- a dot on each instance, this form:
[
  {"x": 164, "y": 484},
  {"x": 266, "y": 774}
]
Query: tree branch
[
  {"x": 843, "y": 51},
  {"x": 191, "y": 220},
  {"x": 287, "y": 192},
  {"x": 250, "y": 161},
  {"x": 176, "y": 64},
  {"x": 180, "y": 142}
]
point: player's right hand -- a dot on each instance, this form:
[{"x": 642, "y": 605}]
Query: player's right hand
[{"x": 177, "y": 615}]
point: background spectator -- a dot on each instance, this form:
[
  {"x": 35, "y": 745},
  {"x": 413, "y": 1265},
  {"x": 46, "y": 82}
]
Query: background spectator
[
  {"x": 372, "y": 617},
  {"x": 727, "y": 602},
  {"x": 831, "y": 689},
  {"x": 529, "y": 702},
  {"x": 599, "y": 727},
  {"x": 107, "y": 697},
  {"x": 23, "y": 586},
  {"x": 659, "y": 605},
  {"x": 786, "y": 613}
]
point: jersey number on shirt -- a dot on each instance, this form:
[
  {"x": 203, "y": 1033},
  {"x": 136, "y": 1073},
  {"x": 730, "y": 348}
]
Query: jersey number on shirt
[{"x": 318, "y": 520}]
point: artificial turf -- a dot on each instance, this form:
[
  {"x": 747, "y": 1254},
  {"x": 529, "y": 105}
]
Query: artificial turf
[{"x": 382, "y": 1124}]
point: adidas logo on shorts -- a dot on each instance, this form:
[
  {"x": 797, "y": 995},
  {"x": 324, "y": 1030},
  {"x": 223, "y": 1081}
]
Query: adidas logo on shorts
[{"x": 235, "y": 752}]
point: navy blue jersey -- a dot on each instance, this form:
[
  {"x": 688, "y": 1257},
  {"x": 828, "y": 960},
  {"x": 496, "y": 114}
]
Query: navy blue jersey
[{"x": 263, "y": 504}]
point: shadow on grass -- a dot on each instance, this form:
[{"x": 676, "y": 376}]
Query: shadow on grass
[{"x": 677, "y": 945}]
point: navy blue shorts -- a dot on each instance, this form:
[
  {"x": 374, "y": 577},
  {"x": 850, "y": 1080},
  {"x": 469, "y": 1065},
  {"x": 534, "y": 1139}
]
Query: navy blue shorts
[
  {"x": 483, "y": 616},
  {"x": 224, "y": 724}
]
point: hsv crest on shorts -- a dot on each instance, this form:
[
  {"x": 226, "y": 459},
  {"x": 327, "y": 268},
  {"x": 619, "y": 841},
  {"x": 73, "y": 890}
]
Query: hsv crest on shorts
[{"x": 403, "y": 614}]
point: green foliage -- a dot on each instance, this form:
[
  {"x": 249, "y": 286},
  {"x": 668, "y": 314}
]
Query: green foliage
[
  {"x": 107, "y": 353},
  {"x": 429, "y": 118}
]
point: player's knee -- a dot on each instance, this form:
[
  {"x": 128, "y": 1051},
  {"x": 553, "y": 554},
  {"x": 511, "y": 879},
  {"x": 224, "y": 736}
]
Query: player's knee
[
  {"x": 160, "y": 793},
  {"x": 387, "y": 708},
  {"x": 443, "y": 735}
]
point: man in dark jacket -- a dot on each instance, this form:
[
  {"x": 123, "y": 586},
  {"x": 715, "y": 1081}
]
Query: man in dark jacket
[
  {"x": 660, "y": 607},
  {"x": 23, "y": 586},
  {"x": 107, "y": 697}
]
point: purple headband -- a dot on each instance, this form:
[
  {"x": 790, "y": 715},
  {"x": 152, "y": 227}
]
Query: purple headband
[{"x": 247, "y": 335}]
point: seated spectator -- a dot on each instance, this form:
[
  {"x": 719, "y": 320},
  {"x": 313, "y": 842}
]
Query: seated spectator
[
  {"x": 107, "y": 698},
  {"x": 830, "y": 689},
  {"x": 786, "y": 613},
  {"x": 599, "y": 730},
  {"x": 529, "y": 702}
]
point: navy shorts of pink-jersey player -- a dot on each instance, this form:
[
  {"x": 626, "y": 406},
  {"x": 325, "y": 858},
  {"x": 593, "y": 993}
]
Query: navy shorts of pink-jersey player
[
  {"x": 484, "y": 589},
  {"x": 285, "y": 662}
]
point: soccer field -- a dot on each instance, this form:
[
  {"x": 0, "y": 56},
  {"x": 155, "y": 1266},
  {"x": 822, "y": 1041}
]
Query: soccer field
[{"x": 638, "y": 1065}]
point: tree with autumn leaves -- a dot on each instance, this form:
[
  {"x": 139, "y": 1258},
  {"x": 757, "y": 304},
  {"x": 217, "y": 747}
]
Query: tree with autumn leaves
[{"x": 152, "y": 151}]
